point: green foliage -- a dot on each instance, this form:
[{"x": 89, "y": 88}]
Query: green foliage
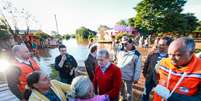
[
  {"x": 131, "y": 22},
  {"x": 73, "y": 35},
  {"x": 4, "y": 30},
  {"x": 54, "y": 74},
  {"x": 58, "y": 36},
  {"x": 120, "y": 35},
  {"x": 41, "y": 35},
  {"x": 161, "y": 16},
  {"x": 84, "y": 33},
  {"x": 67, "y": 36},
  {"x": 197, "y": 50},
  {"x": 198, "y": 28},
  {"x": 122, "y": 22}
]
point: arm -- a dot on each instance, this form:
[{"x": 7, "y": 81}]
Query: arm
[
  {"x": 64, "y": 87},
  {"x": 13, "y": 81},
  {"x": 95, "y": 82},
  {"x": 138, "y": 69},
  {"x": 146, "y": 63},
  {"x": 58, "y": 63},
  {"x": 180, "y": 97},
  {"x": 116, "y": 84}
]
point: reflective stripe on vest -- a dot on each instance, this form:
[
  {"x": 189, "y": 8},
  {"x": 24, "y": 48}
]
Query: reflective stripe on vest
[{"x": 24, "y": 71}]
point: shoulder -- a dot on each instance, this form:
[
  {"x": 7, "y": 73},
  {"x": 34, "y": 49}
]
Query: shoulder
[
  {"x": 164, "y": 62},
  {"x": 55, "y": 82},
  {"x": 137, "y": 53},
  {"x": 152, "y": 54},
  {"x": 35, "y": 96},
  {"x": 114, "y": 67},
  {"x": 59, "y": 56}
]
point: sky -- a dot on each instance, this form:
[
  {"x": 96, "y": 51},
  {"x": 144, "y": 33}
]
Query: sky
[{"x": 72, "y": 14}]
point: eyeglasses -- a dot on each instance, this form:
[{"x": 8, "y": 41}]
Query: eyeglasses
[{"x": 62, "y": 50}]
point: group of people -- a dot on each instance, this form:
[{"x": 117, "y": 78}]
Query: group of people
[{"x": 171, "y": 70}]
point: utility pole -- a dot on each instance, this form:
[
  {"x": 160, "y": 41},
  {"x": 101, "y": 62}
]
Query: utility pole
[{"x": 56, "y": 23}]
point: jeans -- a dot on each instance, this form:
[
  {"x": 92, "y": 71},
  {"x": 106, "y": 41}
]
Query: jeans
[
  {"x": 149, "y": 85},
  {"x": 126, "y": 90}
]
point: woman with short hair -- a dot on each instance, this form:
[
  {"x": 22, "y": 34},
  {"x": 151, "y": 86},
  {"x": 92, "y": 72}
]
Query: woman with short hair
[
  {"x": 40, "y": 88},
  {"x": 82, "y": 90}
]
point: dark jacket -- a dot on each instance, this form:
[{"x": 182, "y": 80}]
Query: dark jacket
[
  {"x": 90, "y": 64},
  {"x": 149, "y": 67},
  {"x": 69, "y": 64}
]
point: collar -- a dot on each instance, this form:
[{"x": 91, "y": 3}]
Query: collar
[
  {"x": 94, "y": 55},
  {"x": 105, "y": 67},
  {"x": 130, "y": 52},
  {"x": 22, "y": 61}
]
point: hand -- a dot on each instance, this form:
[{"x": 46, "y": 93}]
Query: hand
[
  {"x": 162, "y": 91},
  {"x": 63, "y": 58},
  {"x": 135, "y": 81}
]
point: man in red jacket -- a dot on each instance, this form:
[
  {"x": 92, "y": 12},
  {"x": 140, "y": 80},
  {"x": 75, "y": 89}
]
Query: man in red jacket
[{"x": 107, "y": 79}]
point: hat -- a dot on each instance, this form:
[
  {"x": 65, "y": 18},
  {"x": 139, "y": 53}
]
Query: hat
[{"x": 124, "y": 39}]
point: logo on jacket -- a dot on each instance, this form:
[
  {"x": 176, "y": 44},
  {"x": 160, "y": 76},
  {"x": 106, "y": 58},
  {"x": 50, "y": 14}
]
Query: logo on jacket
[{"x": 183, "y": 89}]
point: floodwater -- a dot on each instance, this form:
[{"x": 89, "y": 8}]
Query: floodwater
[{"x": 79, "y": 50}]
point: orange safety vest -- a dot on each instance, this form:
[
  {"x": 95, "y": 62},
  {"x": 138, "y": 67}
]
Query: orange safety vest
[
  {"x": 189, "y": 85},
  {"x": 24, "y": 71}
]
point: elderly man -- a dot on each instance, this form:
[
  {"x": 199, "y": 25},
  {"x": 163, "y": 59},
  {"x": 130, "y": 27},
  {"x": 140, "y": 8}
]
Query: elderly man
[
  {"x": 107, "y": 79},
  {"x": 129, "y": 60},
  {"x": 65, "y": 64},
  {"x": 149, "y": 66},
  {"x": 180, "y": 74},
  {"x": 23, "y": 65}
]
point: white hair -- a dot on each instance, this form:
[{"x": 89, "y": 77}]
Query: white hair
[
  {"x": 103, "y": 53},
  {"x": 80, "y": 87},
  {"x": 17, "y": 48}
]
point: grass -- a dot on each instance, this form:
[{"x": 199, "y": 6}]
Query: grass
[{"x": 54, "y": 74}]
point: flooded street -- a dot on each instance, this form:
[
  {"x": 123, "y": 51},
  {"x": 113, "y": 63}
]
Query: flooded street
[{"x": 79, "y": 50}]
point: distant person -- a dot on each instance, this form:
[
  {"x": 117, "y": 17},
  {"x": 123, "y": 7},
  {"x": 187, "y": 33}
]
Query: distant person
[
  {"x": 107, "y": 79},
  {"x": 141, "y": 40},
  {"x": 82, "y": 90},
  {"x": 22, "y": 66},
  {"x": 91, "y": 62},
  {"x": 129, "y": 61},
  {"x": 152, "y": 59},
  {"x": 146, "y": 43},
  {"x": 41, "y": 88},
  {"x": 34, "y": 47},
  {"x": 180, "y": 73},
  {"x": 65, "y": 64},
  {"x": 91, "y": 42}
]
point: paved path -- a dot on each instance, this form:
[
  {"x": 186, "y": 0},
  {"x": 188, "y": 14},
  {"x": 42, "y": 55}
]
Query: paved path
[{"x": 5, "y": 93}]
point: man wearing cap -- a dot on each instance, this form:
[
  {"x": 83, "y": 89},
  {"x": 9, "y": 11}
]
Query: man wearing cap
[{"x": 129, "y": 60}]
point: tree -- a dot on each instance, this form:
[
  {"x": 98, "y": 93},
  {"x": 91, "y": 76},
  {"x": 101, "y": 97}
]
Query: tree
[
  {"x": 131, "y": 22},
  {"x": 16, "y": 15},
  {"x": 160, "y": 16},
  {"x": 4, "y": 29},
  {"x": 84, "y": 33},
  {"x": 198, "y": 28},
  {"x": 122, "y": 22}
]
